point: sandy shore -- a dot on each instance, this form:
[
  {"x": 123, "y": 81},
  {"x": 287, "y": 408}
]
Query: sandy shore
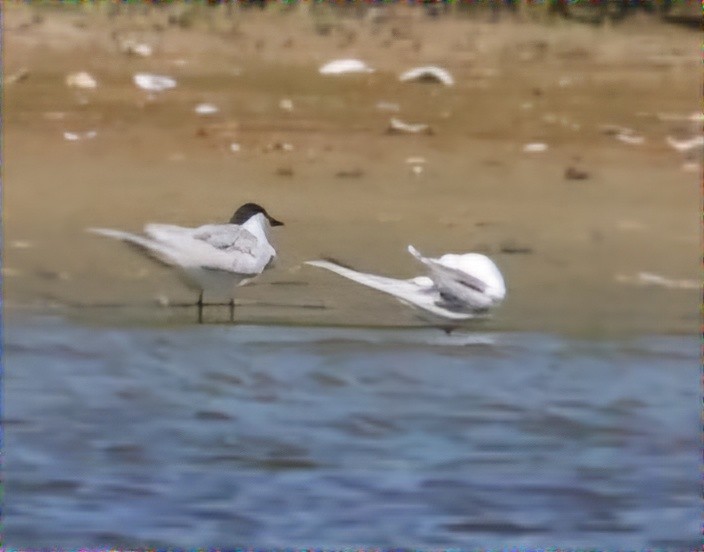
[{"x": 346, "y": 190}]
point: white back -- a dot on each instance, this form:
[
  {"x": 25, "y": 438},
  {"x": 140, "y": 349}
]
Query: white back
[{"x": 481, "y": 267}]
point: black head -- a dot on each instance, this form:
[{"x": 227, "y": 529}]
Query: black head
[{"x": 248, "y": 210}]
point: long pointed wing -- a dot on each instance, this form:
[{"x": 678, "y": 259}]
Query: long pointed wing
[
  {"x": 152, "y": 248},
  {"x": 407, "y": 291}
]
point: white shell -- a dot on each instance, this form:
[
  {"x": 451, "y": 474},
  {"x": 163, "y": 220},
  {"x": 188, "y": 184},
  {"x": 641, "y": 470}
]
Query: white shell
[
  {"x": 630, "y": 139},
  {"x": 343, "y": 66},
  {"x": 153, "y": 83},
  {"x": 684, "y": 146},
  {"x": 76, "y": 136},
  {"x": 397, "y": 125},
  {"x": 535, "y": 147},
  {"x": 206, "y": 109},
  {"x": 82, "y": 79},
  {"x": 428, "y": 73}
]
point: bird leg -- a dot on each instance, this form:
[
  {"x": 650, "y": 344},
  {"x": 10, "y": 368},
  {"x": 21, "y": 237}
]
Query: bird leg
[
  {"x": 232, "y": 310},
  {"x": 200, "y": 308}
]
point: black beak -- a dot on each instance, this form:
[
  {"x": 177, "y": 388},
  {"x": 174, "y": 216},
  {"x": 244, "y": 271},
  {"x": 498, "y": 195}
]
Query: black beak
[{"x": 273, "y": 221}]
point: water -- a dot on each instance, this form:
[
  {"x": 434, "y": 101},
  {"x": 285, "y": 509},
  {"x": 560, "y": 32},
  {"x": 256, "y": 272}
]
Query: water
[{"x": 222, "y": 436}]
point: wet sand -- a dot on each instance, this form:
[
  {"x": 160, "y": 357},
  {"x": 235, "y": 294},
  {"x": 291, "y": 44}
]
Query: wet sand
[{"x": 516, "y": 83}]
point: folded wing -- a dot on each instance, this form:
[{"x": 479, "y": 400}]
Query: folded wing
[
  {"x": 225, "y": 237},
  {"x": 470, "y": 281},
  {"x": 227, "y": 247}
]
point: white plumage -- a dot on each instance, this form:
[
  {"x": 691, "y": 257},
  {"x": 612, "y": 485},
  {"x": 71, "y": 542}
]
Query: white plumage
[
  {"x": 456, "y": 288},
  {"x": 214, "y": 258}
]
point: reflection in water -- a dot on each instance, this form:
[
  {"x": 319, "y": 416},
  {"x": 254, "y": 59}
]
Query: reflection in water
[{"x": 270, "y": 437}]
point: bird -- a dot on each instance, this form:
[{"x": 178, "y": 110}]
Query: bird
[
  {"x": 213, "y": 258},
  {"x": 457, "y": 287}
]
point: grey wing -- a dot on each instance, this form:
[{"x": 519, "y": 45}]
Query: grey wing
[
  {"x": 449, "y": 281},
  {"x": 460, "y": 277},
  {"x": 228, "y": 238},
  {"x": 220, "y": 247},
  {"x": 241, "y": 251},
  {"x": 223, "y": 237}
]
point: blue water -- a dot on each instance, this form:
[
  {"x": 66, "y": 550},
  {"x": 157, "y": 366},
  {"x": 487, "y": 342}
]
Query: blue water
[{"x": 221, "y": 436}]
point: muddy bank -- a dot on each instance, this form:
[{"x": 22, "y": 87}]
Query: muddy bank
[{"x": 345, "y": 188}]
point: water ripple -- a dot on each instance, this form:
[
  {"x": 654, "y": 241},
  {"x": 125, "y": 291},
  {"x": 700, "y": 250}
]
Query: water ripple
[{"x": 292, "y": 437}]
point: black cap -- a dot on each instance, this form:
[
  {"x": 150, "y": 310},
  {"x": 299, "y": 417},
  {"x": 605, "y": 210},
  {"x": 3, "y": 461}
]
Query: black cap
[{"x": 248, "y": 210}]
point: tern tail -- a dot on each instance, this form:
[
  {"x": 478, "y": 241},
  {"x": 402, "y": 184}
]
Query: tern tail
[{"x": 152, "y": 248}]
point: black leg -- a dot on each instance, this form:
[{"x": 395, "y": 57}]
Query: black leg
[
  {"x": 232, "y": 310},
  {"x": 200, "y": 308}
]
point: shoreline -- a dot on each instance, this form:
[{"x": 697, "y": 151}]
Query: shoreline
[{"x": 346, "y": 188}]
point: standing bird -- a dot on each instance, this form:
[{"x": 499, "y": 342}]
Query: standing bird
[
  {"x": 214, "y": 258},
  {"x": 457, "y": 287}
]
